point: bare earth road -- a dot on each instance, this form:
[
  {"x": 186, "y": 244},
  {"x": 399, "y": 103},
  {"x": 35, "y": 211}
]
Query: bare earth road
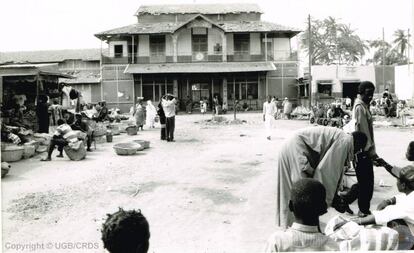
[{"x": 210, "y": 191}]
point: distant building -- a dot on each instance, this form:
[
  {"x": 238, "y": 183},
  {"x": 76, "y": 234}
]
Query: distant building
[
  {"x": 333, "y": 82},
  {"x": 198, "y": 50},
  {"x": 83, "y": 64}
]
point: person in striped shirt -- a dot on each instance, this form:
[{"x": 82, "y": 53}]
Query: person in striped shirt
[
  {"x": 63, "y": 135},
  {"x": 307, "y": 203}
]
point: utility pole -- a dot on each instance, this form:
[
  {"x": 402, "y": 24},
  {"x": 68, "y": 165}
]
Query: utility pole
[
  {"x": 383, "y": 57},
  {"x": 310, "y": 61}
]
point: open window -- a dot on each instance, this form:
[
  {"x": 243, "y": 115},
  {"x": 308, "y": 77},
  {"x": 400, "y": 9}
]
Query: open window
[
  {"x": 118, "y": 51},
  {"x": 325, "y": 88},
  {"x": 242, "y": 44}
]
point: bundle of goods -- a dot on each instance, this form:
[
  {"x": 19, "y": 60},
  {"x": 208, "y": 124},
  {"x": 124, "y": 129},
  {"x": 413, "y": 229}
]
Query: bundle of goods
[{"x": 75, "y": 152}]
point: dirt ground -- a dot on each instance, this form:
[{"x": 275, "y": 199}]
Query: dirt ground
[{"x": 210, "y": 191}]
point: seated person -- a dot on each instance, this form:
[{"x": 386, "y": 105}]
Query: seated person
[
  {"x": 126, "y": 232},
  {"x": 103, "y": 113},
  {"x": 61, "y": 138},
  {"x": 307, "y": 204},
  {"x": 82, "y": 126},
  {"x": 399, "y": 207}
]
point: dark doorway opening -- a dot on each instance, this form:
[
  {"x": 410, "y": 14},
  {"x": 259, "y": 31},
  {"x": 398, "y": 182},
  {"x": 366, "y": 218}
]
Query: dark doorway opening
[{"x": 350, "y": 89}]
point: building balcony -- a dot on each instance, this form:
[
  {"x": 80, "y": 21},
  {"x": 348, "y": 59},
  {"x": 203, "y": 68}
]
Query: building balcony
[{"x": 279, "y": 56}]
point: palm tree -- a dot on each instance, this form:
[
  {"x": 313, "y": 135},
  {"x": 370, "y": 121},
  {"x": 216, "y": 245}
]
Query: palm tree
[{"x": 401, "y": 41}]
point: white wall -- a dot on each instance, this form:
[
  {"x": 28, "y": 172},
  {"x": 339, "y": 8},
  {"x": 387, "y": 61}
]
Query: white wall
[
  {"x": 404, "y": 82},
  {"x": 124, "y": 48},
  {"x": 338, "y": 74},
  {"x": 143, "y": 45},
  {"x": 255, "y": 43},
  {"x": 281, "y": 47}
]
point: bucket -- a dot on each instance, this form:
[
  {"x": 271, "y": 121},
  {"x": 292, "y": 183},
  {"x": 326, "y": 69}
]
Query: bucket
[
  {"x": 132, "y": 130},
  {"x": 108, "y": 136}
]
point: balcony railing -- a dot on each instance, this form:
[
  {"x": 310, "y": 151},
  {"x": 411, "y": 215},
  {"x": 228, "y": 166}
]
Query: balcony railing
[{"x": 280, "y": 56}]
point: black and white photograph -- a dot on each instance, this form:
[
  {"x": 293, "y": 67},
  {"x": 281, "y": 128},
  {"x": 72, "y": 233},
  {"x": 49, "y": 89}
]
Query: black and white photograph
[{"x": 205, "y": 126}]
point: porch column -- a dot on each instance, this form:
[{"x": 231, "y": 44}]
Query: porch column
[
  {"x": 265, "y": 44},
  {"x": 188, "y": 88},
  {"x": 175, "y": 88},
  {"x": 225, "y": 91},
  {"x": 224, "y": 47},
  {"x": 175, "y": 47},
  {"x": 133, "y": 46}
]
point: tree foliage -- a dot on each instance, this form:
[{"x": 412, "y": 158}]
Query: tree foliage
[
  {"x": 333, "y": 42},
  {"x": 388, "y": 54}
]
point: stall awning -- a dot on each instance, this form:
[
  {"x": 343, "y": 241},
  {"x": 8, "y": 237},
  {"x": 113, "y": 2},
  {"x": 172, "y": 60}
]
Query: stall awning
[
  {"x": 32, "y": 70},
  {"x": 200, "y": 67}
]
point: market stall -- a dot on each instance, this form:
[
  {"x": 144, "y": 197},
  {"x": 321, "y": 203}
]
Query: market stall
[{"x": 21, "y": 87}]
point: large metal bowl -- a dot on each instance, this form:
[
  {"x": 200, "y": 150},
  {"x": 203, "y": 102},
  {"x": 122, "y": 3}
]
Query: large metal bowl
[{"x": 127, "y": 148}]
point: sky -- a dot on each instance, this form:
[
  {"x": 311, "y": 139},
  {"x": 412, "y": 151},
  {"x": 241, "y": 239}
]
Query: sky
[{"x": 70, "y": 24}]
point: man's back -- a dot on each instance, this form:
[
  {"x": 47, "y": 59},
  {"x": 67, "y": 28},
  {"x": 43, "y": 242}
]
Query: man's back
[{"x": 300, "y": 238}]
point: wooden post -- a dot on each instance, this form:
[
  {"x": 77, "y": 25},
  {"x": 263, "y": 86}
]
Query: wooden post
[
  {"x": 310, "y": 61},
  {"x": 133, "y": 55},
  {"x": 265, "y": 38},
  {"x": 224, "y": 47}
]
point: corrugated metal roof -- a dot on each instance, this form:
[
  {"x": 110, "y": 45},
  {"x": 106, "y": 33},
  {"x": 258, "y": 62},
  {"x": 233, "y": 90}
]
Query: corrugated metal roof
[
  {"x": 83, "y": 76},
  {"x": 50, "y": 55},
  {"x": 199, "y": 8},
  {"x": 201, "y": 67},
  {"x": 256, "y": 26},
  {"x": 32, "y": 69},
  {"x": 151, "y": 28},
  {"x": 228, "y": 27}
]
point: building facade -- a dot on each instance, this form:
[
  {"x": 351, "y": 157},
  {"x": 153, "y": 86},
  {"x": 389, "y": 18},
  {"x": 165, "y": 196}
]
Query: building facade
[
  {"x": 83, "y": 64},
  {"x": 333, "y": 82},
  {"x": 198, "y": 51}
]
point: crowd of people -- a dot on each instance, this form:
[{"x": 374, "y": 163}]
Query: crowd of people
[{"x": 311, "y": 166}]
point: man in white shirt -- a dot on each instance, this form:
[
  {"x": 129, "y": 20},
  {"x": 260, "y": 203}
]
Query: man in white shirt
[
  {"x": 168, "y": 104},
  {"x": 269, "y": 113},
  {"x": 307, "y": 203},
  {"x": 399, "y": 207}
]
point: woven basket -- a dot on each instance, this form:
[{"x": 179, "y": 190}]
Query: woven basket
[
  {"x": 76, "y": 155},
  {"x": 128, "y": 148},
  {"x": 100, "y": 129},
  {"x": 145, "y": 144},
  {"x": 132, "y": 130},
  {"x": 12, "y": 154}
]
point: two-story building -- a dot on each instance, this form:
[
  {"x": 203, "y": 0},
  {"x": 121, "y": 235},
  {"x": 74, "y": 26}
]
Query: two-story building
[{"x": 198, "y": 50}]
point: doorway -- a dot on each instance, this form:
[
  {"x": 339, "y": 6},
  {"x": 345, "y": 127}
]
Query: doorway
[
  {"x": 200, "y": 91},
  {"x": 350, "y": 89}
]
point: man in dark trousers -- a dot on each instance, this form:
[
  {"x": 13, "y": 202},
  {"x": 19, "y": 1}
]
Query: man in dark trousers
[
  {"x": 168, "y": 104},
  {"x": 367, "y": 158},
  {"x": 161, "y": 114},
  {"x": 42, "y": 112}
]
